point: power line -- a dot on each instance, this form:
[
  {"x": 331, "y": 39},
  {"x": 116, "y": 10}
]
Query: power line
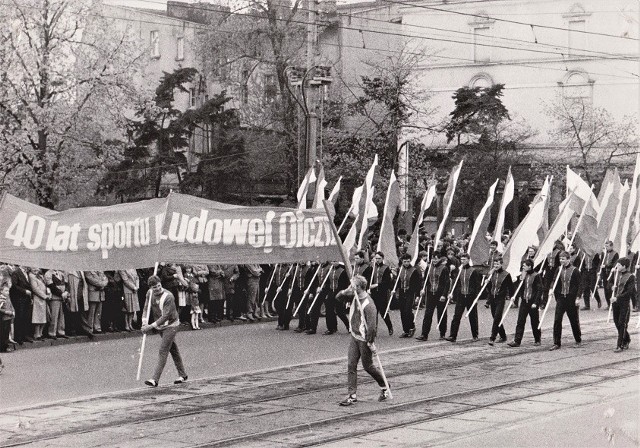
[{"x": 479, "y": 16}]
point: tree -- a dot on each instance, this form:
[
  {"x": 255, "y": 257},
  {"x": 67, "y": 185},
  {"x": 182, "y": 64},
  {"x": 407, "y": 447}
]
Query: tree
[
  {"x": 385, "y": 107},
  {"x": 66, "y": 85},
  {"x": 248, "y": 49},
  {"x": 160, "y": 134},
  {"x": 590, "y": 136},
  {"x": 488, "y": 140}
]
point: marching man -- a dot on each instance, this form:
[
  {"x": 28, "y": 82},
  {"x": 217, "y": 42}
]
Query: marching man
[
  {"x": 363, "y": 328},
  {"x": 531, "y": 292},
  {"x": 620, "y": 302}
]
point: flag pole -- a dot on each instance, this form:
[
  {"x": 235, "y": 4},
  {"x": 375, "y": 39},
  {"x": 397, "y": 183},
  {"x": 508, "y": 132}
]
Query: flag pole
[
  {"x": 504, "y": 316},
  {"x": 291, "y": 287},
  {"x": 266, "y": 291},
  {"x": 345, "y": 259},
  {"x": 393, "y": 291},
  {"x": 319, "y": 290},
  {"x": 613, "y": 290},
  {"x": 485, "y": 283},
  {"x": 449, "y": 296},
  {"x": 423, "y": 292},
  {"x": 306, "y": 291}
]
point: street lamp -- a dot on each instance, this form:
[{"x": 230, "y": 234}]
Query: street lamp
[{"x": 317, "y": 76}]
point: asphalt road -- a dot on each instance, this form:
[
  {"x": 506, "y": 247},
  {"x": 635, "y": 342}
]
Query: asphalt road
[{"x": 47, "y": 374}]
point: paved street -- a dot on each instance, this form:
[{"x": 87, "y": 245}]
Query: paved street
[{"x": 281, "y": 389}]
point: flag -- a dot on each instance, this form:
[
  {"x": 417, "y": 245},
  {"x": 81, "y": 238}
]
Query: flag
[
  {"x": 544, "y": 226},
  {"x": 586, "y": 235},
  {"x": 609, "y": 198},
  {"x": 578, "y": 185},
  {"x": 507, "y": 197},
  {"x": 387, "y": 238},
  {"x": 448, "y": 200},
  {"x": 349, "y": 242},
  {"x": 309, "y": 178},
  {"x": 370, "y": 211},
  {"x": 333, "y": 196},
  {"x": 321, "y": 184},
  {"x": 354, "y": 211},
  {"x": 570, "y": 206},
  {"x": 427, "y": 200},
  {"x": 478, "y": 248},
  {"x": 616, "y": 229},
  {"x": 625, "y": 232},
  {"x": 526, "y": 234}
]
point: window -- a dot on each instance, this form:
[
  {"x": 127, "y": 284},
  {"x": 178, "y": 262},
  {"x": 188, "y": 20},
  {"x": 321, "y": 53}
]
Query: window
[
  {"x": 193, "y": 99},
  {"x": 577, "y": 87},
  {"x": 577, "y": 38},
  {"x": 482, "y": 80},
  {"x": 180, "y": 48},
  {"x": 155, "y": 43},
  {"x": 481, "y": 51}
]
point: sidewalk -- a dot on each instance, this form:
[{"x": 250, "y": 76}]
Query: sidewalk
[{"x": 444, "y": 394}]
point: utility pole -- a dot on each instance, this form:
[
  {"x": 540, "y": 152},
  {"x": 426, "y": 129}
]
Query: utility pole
[
  {"x": 311, "y": 119},
  {"x": 403, "y": 183}
]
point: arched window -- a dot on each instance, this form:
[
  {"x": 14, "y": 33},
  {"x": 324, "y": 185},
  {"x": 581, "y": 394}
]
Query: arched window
[
  {"x": 576, "y": 85},
  {"x": 483, "y": 80}
]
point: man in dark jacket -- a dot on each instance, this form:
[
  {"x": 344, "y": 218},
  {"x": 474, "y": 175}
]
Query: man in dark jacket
[
  {"x": 531, "y": 293},
  {"x": 20, "y": 294},
  {"x": 437, "y": 289},
  {"x": 567, "y": 301},
  {"x": 499, "y": 288},
  {"x": 465, "y": 292},
  {"x": 624, "y": 291},
  {"x": 408, "y": 290},
  {"x": 380, "y": 287}
]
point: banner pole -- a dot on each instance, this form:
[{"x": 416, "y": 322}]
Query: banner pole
[
  {"x": 144, "y": 335},
  {"x": 485, "y": 283},
  {"x": 319, "y": 290},
  {"x": 393, "y": 291},
  {"x": 266, "y": 291},
  {"x": 306, "y": 291},
  {"x": 423, "y": 292},
  {"x": 504, "y": 316},
  {"x": 291, "y": 287},
  {"x": 449, "y": 296}
]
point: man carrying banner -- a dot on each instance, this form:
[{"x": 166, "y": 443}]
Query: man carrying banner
[
  {"x": 567, "y": 301},
  {"x": 621, "y": 303},
  {"x": 363, "y": 328},
  {"x": 531, "y": 292},
  {"x": 464, "y": 294},
  {"x": 437, "y": 289},
  {"x": 165, "y": 320},
  {"x": 408, "y": 290},
  {"x": 590, "y": 267},
  {"x": 380, "y": 287},
  {"x": 500, "y": 287}
]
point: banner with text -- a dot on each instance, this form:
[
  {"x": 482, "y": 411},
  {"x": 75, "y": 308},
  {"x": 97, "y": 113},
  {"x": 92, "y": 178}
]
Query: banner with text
[{"x": 179, "y": 228}]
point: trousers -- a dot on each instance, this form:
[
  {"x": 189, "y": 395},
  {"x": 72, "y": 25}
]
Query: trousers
[
  {"x": 462, "y": 304},
  {"x": 568, "y": 306},
  {"x": 168, "y": 345},
  {"x": 525, "y": 311},
  {"x": 360, "y": 349}
]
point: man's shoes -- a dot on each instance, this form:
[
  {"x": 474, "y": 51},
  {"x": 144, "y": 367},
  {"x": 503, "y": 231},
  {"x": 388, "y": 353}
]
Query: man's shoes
[
  {"x": 577, "y": 345},
  {"x": 63, "y": 336},
  {"x": 310, "y": 332},
  {"x": 29, "y": 340},
  {"x": 618, "y": 350},
  {"x": 9, "y": 350},
  {"x": 243, "y": 318},
  {"x": 585, "y": 308},
  {"x": 442, "y": 337},
  {"x": 536, "y": 343},
  {"x": 328, "y": 332},
  {"x": 422, "y": 338},
  {"x": 299, "y": 330},
  {"x": 501, "y": 340},
  {"x": 390, "y": 331},
  {"x": 513, "y": 344},
  {"x": 384, "y": 395},
  {"x": 491, "y": 342},
  {"x": 181, "y": 379},
  {"x": 250, "y": 318},
  {"x": 412, "y": 332},
  {"x": 405, "y": 335},
  {"x": 555, "y": 347},
  {"x": 475, "y": 339},
  {"x": 351, "y": 399},
  {"x": 625, "y": 346},
  {"x": 151, "y": 383},
  {"x": 599, "y": 304},
  {"x": 451, "y": 339},
  {"x": 279, "y": 328}
]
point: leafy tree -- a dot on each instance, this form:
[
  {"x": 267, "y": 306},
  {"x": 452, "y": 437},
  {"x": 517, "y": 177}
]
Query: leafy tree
[
  {"x": 590, "y": 136},
  {"x": 66, "y": 84},
  {"x": 161, "y": 134}
]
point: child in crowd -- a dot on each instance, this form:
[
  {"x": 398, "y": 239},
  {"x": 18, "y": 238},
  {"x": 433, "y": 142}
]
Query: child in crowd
[
  {"x": 196, "y": 311},
  {"x": 7, "y": 314}
]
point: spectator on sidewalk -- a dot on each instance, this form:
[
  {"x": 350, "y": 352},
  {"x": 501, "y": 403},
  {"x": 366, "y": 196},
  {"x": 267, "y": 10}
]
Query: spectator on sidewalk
[
  {"x": 96, "y": 282},
  {"x": 22, "y": 300},
  {"x": 130, "y": 286},
  {"x": 7, "y": 314},
  {"x": 161, "y": 308},
  {"x": 56, "y": 281},
  {"x": 40, "y": 297}
]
